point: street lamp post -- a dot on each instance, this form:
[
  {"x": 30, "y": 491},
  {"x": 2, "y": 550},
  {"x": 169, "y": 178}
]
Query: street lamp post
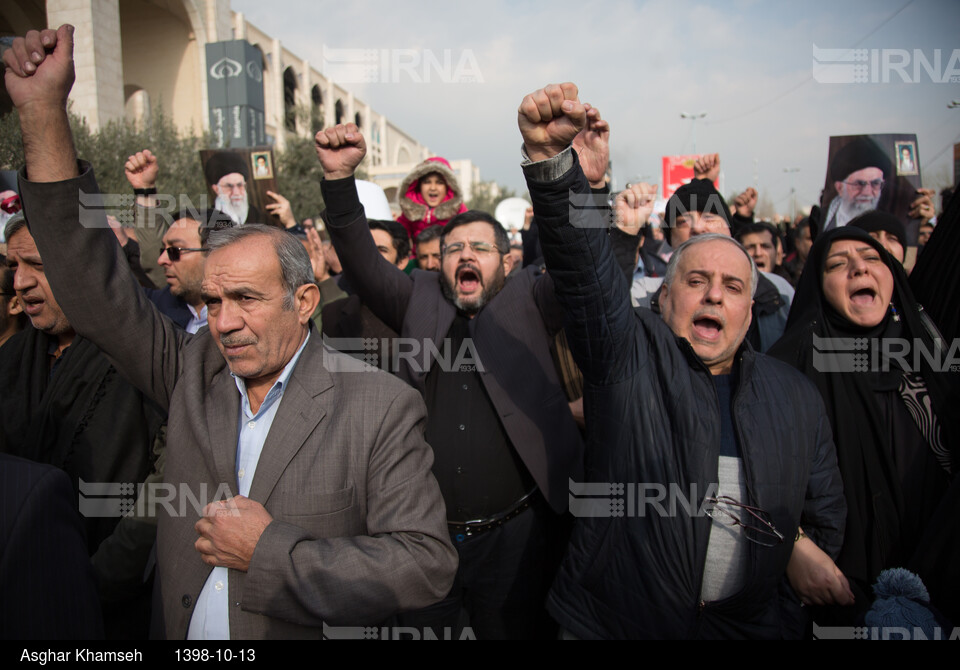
[
  {"x": 793, "y": 192},
  {"x": 693, "y": 118}
]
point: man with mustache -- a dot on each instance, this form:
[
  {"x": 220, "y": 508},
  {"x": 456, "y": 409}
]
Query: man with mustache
[
  {"x": 428, "y": 248},
  {"x": 685, "y": 406},
  {"x": 172, "y": 248},
  {"x": 320, "y": 505},
  {"x": 477, "y": 346}
]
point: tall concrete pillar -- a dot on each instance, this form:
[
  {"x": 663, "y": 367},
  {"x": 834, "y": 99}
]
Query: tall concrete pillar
[
  {"x": 305, "y": 95},
  {"x": 280, "y": 140},
  {"x": 98, "y": 91},
  {"x": 239, "y": 26},
  {"x": 216, "y": 18},
  {"x": 329, "y": 105},
  {"x": 384, "y": 156}
]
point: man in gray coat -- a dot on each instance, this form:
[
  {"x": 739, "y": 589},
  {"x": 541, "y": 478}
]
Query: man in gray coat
[{"x": 296, "y": 496}]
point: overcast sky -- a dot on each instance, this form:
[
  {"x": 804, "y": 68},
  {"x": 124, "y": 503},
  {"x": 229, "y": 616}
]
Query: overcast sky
[{"x": 747, "y": 64}]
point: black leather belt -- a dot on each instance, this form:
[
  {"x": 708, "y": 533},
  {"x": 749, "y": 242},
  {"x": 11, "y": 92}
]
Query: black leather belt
[{"x": 480, "y": 526}]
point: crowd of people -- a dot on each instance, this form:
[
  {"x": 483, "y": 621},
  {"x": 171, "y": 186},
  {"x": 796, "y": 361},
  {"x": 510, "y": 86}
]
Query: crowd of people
[{"x": 217, "y": 428}]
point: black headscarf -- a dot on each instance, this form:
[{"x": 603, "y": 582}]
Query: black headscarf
[
  {"x": 875, "y": 221},
  {"x": 698, "y": 195},
  {"x": 879, "y": 533}
]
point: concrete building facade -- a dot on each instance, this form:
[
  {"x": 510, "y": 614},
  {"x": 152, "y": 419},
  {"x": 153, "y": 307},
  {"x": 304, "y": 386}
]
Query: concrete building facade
[{"x": 133, "y": 55}]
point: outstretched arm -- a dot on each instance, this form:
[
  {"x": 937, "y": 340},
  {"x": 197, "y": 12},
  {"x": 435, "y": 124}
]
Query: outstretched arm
[
  {"x": 384, "y": 288},
  {"x": 64, "y": 212},
  {"x": 589, "y": 284}
]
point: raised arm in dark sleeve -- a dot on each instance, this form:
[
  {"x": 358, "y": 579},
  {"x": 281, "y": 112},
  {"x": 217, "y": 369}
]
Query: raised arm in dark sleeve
[
  {"x": 384, "y": 288},
  {"x": 589, "y": 283}
]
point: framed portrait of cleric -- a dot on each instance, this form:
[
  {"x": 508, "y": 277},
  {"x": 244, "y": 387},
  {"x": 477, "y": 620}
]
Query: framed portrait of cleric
[
  {"x": 867, "y": 172},
  {"x": 238, "y": 181},
  {"x": 262, "y": 164},
  {"x": 906, "y": 153}
]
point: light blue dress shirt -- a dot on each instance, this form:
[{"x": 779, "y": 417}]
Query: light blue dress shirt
[
  {"x": 211, "y": 615},
  {"x": 197, "y": 321}
]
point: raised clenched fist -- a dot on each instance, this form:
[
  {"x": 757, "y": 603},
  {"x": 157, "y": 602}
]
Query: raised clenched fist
[
  {"x": 549, "y": 119},
  {"x": 40, "y": 70},
  {"x": 340, "y": 150}
]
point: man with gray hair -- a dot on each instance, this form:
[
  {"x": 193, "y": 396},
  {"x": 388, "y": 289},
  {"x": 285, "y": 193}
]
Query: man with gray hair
[
  {"x": 296, "y": 496},
  {"x": 722, "y": 454}
]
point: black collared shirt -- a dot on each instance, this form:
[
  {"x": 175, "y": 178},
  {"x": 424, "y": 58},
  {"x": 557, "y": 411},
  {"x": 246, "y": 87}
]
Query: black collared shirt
[{"x": 479, "y": 472}]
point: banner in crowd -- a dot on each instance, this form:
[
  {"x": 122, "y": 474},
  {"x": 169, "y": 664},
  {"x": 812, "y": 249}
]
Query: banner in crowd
[{"x": 677, "y": 171}]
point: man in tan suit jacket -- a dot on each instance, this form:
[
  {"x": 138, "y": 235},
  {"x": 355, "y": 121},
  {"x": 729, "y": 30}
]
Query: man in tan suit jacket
[{"x": 342, "y": 522}]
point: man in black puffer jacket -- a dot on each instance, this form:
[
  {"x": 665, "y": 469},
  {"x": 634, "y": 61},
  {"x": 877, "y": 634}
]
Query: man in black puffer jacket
[{"x": 724, "y": 454}]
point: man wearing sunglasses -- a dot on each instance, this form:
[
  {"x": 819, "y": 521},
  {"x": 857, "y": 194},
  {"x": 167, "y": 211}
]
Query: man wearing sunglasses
[{"x": 182, "y": 256}]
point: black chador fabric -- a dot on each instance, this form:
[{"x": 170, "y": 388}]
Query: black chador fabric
[
  {"x": 896, "y": 456},
  {"x": 82, "y": 417},
  {"x": 936, "y": 277}
]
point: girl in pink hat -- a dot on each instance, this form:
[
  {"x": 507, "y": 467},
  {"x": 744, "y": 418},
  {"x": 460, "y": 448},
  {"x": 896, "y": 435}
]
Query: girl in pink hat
[{"x": 429, "y": 196}]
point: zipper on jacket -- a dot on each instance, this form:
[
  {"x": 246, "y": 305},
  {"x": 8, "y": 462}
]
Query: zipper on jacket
[
  {"x": 702, "y": 561},
  {"x": 751, "y": 498},
  {"x": 702, "y": 604}
]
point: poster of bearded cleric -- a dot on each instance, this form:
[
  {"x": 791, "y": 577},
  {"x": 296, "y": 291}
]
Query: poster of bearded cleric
[
  {"x": 239, "y": 180},
  {"x": 867, "y": 172}
]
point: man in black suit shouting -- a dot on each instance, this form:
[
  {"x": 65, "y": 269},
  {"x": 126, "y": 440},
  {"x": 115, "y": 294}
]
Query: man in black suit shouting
[{"x": 478, "y": 347}]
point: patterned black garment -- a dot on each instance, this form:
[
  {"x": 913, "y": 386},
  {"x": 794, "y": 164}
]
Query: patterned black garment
[{"x": 895, "y": 426}]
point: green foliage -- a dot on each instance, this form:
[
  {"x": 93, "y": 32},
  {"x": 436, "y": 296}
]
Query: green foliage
[
  {"x": 107, "y": 150},
  {"x": 298, "y": 177},
  {"x": 487, "y": 195},
  {"x": 181, "y": 174},
  {"x": 11, "y": 148}
]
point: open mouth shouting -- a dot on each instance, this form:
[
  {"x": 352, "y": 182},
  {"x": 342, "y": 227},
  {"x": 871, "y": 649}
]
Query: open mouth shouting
[
  {"x": 707, "y": 327},
  {"x": 469, "y": 280},
  {"x": 433, "y": 198},
  {"x": 863, "y": 297}
]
